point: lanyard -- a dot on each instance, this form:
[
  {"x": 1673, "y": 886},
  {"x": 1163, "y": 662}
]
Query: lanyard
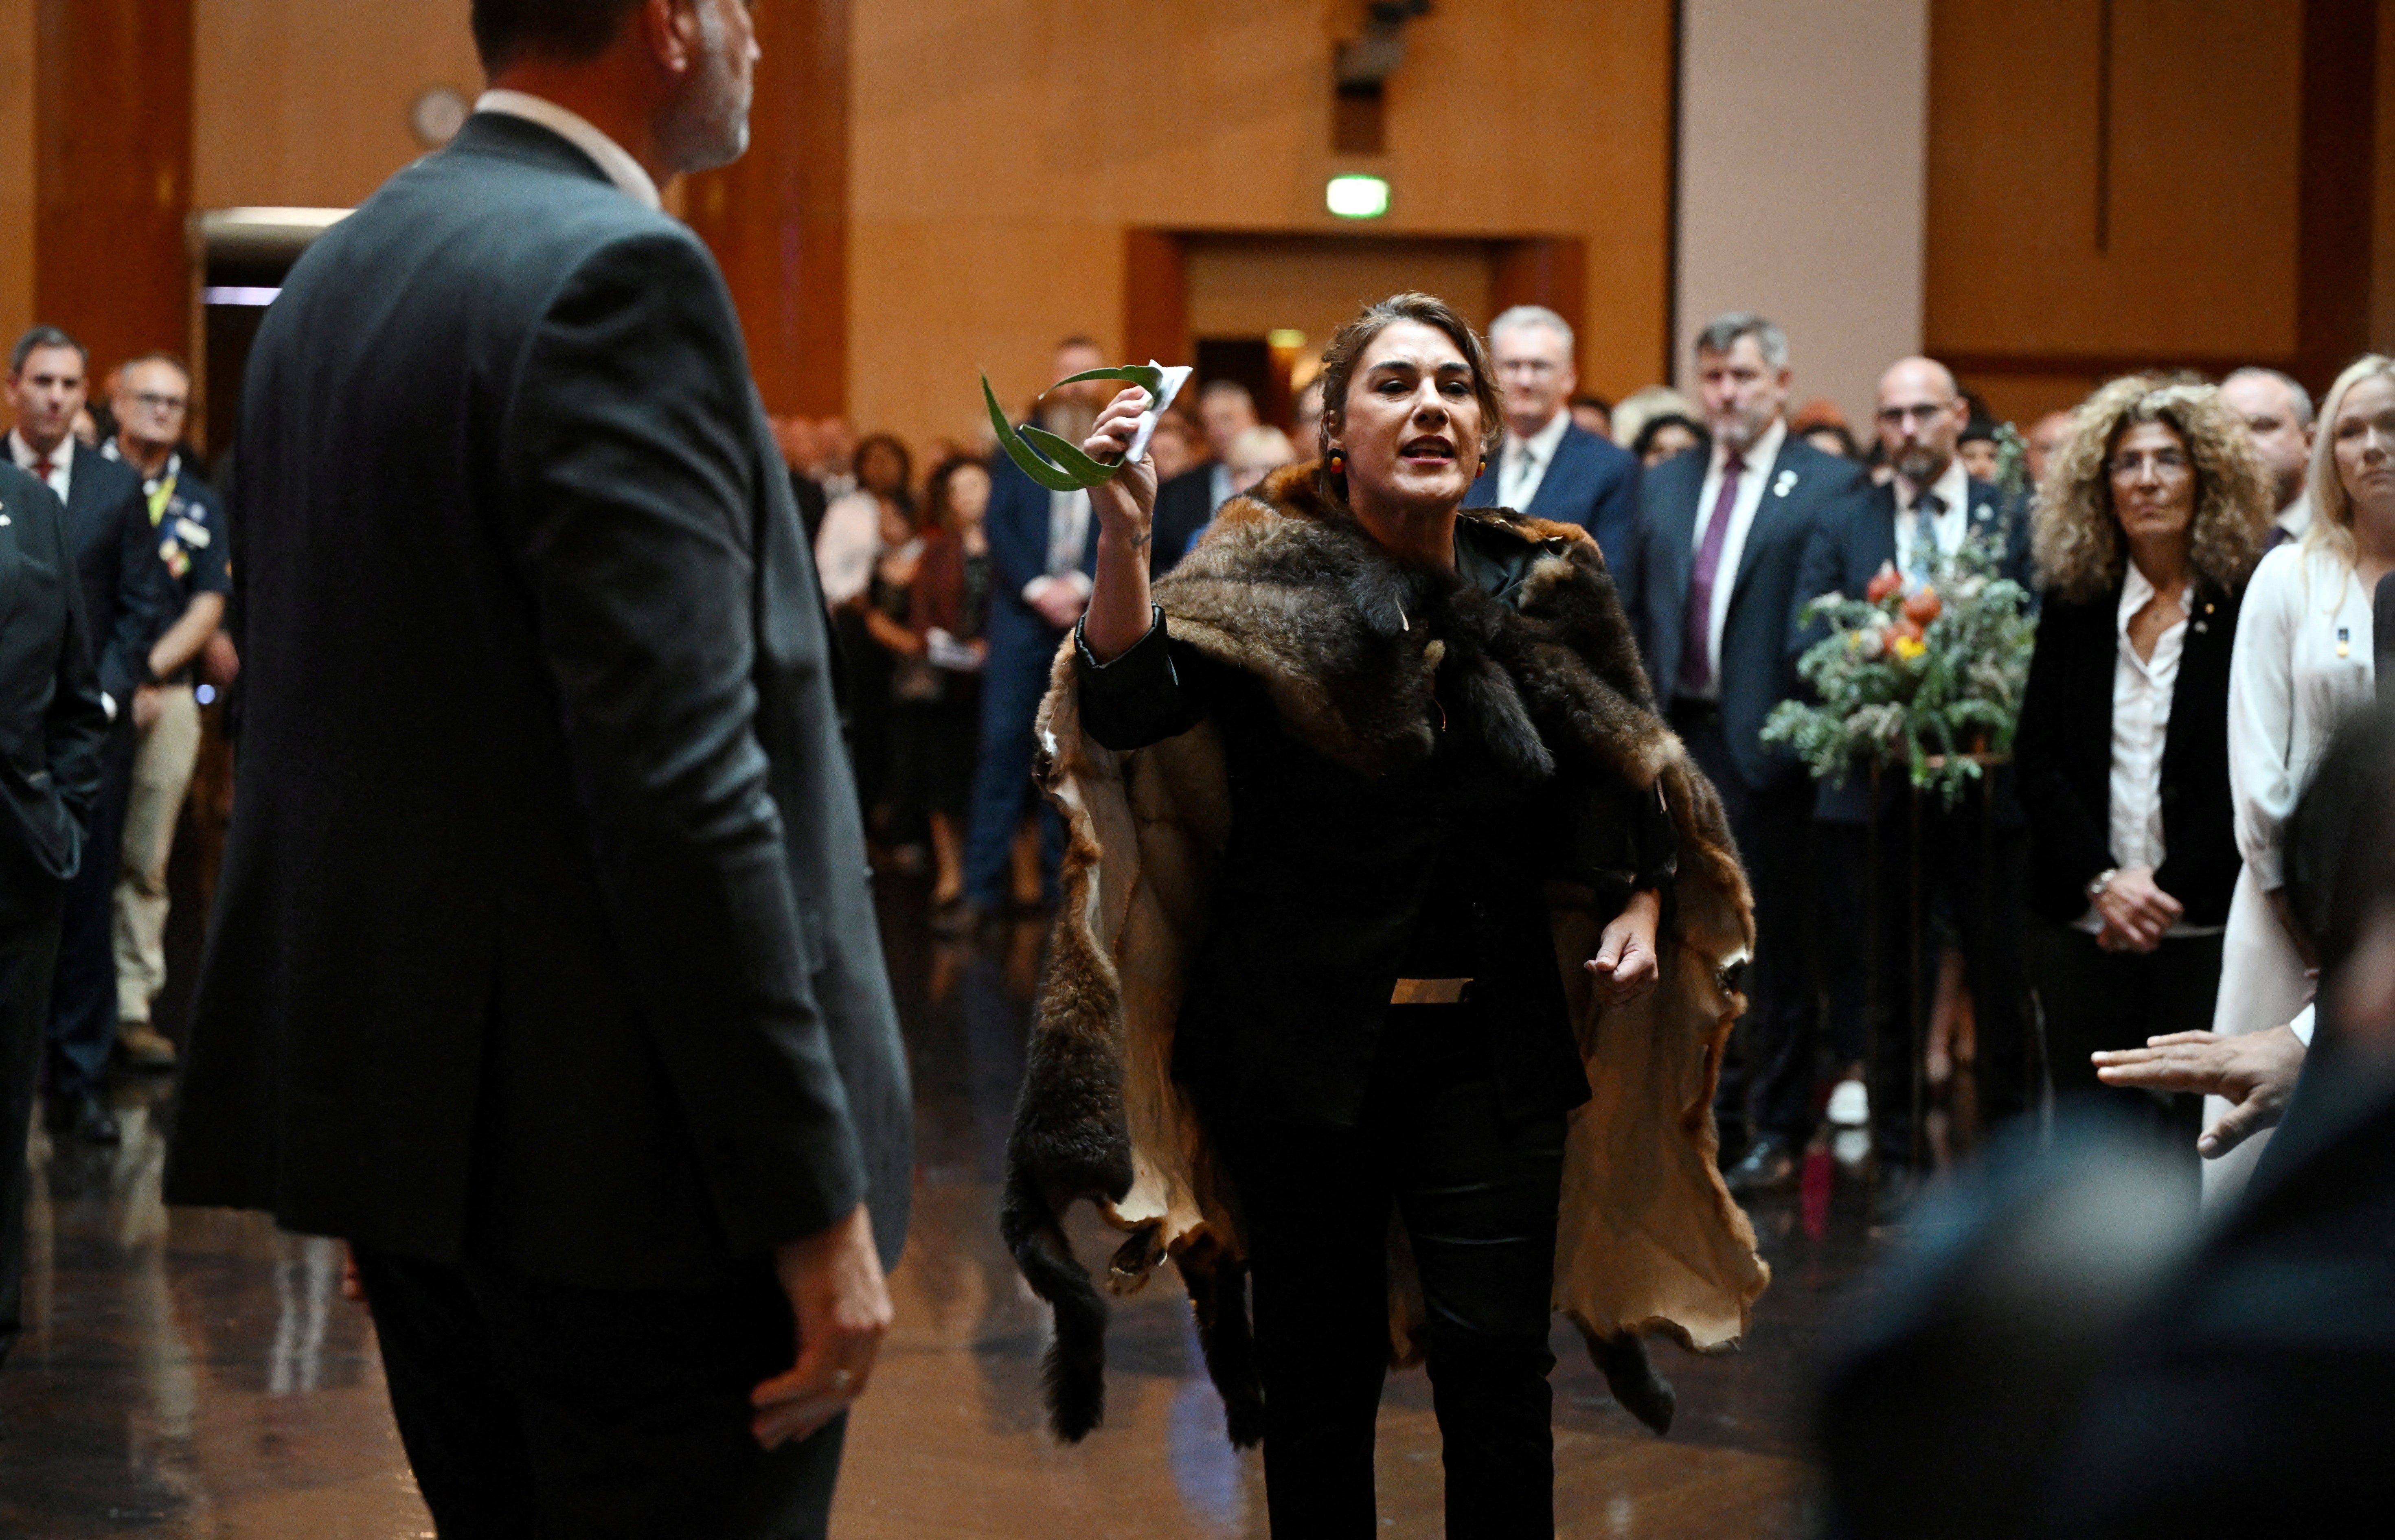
[{"x": 162, "y": 493}]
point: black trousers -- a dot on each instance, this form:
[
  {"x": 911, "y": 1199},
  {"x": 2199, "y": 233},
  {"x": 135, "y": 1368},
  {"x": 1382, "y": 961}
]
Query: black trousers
[
  {"x": 83, "y": 994},
  {"x": 1973, "y": 874},
  {"x": 31, "y": 904},
  {"x": 1476, "y": 1193},
  {"x": 533, "y": 1410},
  {"x": 1767, "y": 1088},
  {"x": 2094, "y": 1000}
]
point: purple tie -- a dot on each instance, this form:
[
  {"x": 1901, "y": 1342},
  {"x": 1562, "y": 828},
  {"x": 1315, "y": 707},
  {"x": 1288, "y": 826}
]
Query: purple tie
[{"x": 1696, "y": 645}]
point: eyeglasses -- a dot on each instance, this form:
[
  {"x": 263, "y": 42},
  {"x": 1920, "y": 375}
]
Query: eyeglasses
[
  {"x": 1921, "y": 411},
  {"x": 151, "y": 400},
  {"x": 1527, "y": 366},
  {"x": 2167, "y": 464}
]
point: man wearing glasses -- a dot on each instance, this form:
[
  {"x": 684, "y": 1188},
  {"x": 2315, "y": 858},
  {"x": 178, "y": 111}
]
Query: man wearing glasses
[
  {"x": 186, "y": 522},
  {"x": 1916, "y": 521},
  {"x": 1552, "y": 467}
]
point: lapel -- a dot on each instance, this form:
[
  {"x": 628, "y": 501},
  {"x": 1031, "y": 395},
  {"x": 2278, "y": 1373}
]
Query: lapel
[
  {"x": 1877, "y": 547},
  {"x": 1557, "y": 488},
  {"x": 1680, "y": 526},
  {"x": 1788, "y": 477},
  {"x": 15, "y": 529}
]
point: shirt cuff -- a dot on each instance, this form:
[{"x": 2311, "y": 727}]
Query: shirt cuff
[{"x": 2302, "y": 1025}]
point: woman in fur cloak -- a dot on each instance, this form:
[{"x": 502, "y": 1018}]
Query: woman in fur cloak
[{"x": 1396, "y": 957}]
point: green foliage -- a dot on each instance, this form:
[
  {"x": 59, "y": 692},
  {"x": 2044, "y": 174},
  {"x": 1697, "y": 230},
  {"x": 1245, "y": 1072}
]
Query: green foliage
[
  {"x": 1064, "y": 467},
  {"x": 1928, "y": 705}
]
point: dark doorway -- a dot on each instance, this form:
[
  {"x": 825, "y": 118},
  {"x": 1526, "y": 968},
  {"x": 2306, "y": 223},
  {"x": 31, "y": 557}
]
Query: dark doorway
[{"x": 1247, "y": 360}]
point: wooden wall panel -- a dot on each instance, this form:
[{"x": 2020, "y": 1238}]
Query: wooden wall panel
[
  {"x": 306, "y": 101},
  {"x": 1548, "y": 271},
  {"x": 2382, "y": 283},
  {"x": 1155, "y": 297},
  {"x": 18, "y": 159},
  {"x": 112, "y": 107},
  {"x": 1003, "y": 150},
  {"x": 2192, "y": 254},
  {"x": 777, "y": 218},
  {"x": 1246, "y": 285},
  {"x": 2334, "y": 226}
]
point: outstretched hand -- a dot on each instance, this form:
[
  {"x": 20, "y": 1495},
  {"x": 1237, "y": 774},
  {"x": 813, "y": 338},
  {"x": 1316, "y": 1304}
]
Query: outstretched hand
[
  {"x": 2257, "y": 1071},
  {"x": 1626, "y": 965}
]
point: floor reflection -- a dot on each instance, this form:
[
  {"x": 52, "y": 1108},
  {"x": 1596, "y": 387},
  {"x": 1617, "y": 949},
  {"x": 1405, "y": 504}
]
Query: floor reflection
[{"x": 197, "y": 1374}]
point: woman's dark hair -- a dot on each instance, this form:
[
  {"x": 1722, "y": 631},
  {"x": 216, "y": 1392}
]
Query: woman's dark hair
[
  {"x": 1978, "y": 431},
  {"x": 1846, "y": 445},
  {"x": 939, "y": 512},
  {"x": 1652, "y": 430},
  {"x": 505, "y": 30},
  {"x": 1346, "y": 350},
  {"x": 903, "y": 496}
]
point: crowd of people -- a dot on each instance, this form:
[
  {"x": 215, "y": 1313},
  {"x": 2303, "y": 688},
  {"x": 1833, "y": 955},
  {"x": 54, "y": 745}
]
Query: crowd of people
[
  {"x": 1720, "y": 515},
  {"x": 1425, "y": 826}
]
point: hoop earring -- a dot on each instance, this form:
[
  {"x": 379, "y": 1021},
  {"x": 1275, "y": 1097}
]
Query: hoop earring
[{"x": 1339, "y": 465}]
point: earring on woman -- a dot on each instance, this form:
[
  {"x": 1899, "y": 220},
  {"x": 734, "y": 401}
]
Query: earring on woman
[
  {"x": 1338, "y": 465},
  {"x": 1484, "y": 466}
]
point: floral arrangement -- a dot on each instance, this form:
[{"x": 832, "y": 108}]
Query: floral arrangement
[{"x": 1929, "y": 678}]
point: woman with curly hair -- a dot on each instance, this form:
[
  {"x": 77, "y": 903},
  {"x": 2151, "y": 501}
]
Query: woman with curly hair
[
  {"x": 2152, "y": 516},
  {"x": 2303, "y": 664},
  {"x": 1390, "y": 969}
]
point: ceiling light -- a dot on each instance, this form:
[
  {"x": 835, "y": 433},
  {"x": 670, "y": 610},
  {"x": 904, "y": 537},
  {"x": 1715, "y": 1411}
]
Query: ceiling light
[{"x": 1356, "y": 197}]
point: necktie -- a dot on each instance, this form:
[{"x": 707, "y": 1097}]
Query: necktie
[
  {"x": 47, "y": 467},
  {"x": 1697, "y": 635},
  {"x": 1924, "y": 534}
]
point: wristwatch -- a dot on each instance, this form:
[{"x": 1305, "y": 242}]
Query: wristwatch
[{"x": 2101, "y": 880}]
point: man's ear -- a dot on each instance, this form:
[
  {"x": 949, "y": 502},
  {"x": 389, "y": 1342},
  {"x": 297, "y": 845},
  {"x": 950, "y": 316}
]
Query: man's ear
[{"x": 669, "y": 29}]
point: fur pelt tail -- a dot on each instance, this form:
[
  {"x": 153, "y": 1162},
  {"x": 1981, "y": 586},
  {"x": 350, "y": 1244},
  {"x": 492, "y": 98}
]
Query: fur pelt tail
[
  {"x": 1218, "y": 1290},
  {"x": 1073, "y": 1374}
]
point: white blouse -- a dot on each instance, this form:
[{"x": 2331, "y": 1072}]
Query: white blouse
[
  {"x": 2142, "y": 691},
  {"x": 2302, "y": 663}
]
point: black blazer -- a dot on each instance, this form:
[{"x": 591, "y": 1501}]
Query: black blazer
[
  {"x": 1845, "y": 553},
  {"x": 1592, "y": 482},
  {"x": 128, "y": 599},
  {"x": 1184, "y": 505},
  {"x": 2063, "y": 758},
  {"x": 51, "y": 721},
  {"x": 1803, "y": 487},
  {"x": 545, "y": 908}
]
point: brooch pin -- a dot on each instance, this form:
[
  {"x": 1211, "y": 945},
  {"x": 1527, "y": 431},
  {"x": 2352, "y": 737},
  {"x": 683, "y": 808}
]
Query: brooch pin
[
  {"x": 2344, "y": 640},
  {"x": 1781, "y": 488}
]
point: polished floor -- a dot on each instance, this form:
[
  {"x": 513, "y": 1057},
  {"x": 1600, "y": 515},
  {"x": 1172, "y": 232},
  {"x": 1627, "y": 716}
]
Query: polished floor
[{"x": 197, "y": 1374}]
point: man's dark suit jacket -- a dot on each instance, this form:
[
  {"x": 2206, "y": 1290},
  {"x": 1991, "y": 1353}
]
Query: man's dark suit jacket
[
  {"x": 1592, "y": 482},
  {"x": 1803, "y": 487},
  {"x": 1184, "y": 505},
  {"x": 51, "y": 721},
  {"x": 127, "y": 599},
  {"x": 2063, "y": 757},
  {"x": 1021, "y": 640},
  {"x": 544, "y": 913},
  {"x": 1847, "y": 552}
]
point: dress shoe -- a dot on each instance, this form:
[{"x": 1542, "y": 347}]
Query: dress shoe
[
  {"x": 143, "y": 1047},
  {"x": 86, "y": 1119},
  {"x": 1850, "y": 1104},
  {"x": 1768, "y": 1166},
  {"x": 1630, "y": 1375}
]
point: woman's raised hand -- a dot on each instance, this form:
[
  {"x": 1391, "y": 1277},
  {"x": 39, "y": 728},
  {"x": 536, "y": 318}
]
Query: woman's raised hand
[{"x": 1126, "y": 502}]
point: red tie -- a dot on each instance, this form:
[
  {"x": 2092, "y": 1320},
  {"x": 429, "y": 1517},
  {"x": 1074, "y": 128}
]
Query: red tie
[{"x": 49, "y": 468}]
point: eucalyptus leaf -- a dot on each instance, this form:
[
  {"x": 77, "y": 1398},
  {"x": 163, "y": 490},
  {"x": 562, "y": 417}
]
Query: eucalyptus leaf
[{"x": 1054, "y": 478}]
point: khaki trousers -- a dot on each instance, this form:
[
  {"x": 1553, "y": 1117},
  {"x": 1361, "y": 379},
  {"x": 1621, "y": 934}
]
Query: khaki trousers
[{"x": 162, "y": 777}]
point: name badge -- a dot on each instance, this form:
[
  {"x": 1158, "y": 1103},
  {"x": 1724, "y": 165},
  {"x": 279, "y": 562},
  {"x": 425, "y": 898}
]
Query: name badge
[{"x": 195, "y": 535}]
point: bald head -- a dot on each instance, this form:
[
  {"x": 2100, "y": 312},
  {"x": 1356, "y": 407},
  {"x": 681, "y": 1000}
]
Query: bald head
[{"x": 1921, "y": 418}]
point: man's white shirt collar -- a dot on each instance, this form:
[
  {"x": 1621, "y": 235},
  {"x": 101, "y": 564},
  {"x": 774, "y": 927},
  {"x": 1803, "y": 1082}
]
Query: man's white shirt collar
[
  {"x": 1542, "y": 443},
  {"x": 581, "y": 132}
]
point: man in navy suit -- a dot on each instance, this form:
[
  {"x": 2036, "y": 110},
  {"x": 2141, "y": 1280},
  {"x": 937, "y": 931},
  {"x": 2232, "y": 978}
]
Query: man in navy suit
[
  {"x": 1711, "y": 586},
  {"x": 126, "y": 596},
  {"x": 1551, "y": 468},
  {"x": 1043, "y": 547},
  {"x": 1920, "y": 518}
]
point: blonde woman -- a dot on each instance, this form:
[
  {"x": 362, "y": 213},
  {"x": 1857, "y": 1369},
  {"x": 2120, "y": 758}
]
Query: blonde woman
[
  {"x": 2152, "y": 515},
  {"x": 2303, "y": 663}
]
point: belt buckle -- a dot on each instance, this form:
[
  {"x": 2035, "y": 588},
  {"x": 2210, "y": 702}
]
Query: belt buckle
[{"x": 1429, "y": 992}]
